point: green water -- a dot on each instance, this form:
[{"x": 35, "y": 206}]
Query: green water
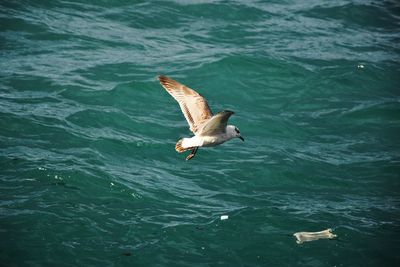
[{"x": 88, "y": 171}]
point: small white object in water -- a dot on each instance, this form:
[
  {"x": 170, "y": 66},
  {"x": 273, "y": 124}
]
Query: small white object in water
[
  {"x": 360, "y": 66},
  {"x": 311, "y": 236},
  {"x": 224, "y": 217}
]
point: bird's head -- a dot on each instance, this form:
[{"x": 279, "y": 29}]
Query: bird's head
[{"x": 233, "y": 131}]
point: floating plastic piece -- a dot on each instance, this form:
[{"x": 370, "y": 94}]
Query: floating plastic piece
[
  {"x": 224, "y": 217},
  {"x": 311, "y": 236}
]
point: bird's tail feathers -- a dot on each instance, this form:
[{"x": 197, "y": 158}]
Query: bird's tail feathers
[{"x": 179, "y": 148}]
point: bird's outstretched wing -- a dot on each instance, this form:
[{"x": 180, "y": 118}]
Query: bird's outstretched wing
[
  {"x": 194, "y": 106},
  {"x": 217, "y": 124}
]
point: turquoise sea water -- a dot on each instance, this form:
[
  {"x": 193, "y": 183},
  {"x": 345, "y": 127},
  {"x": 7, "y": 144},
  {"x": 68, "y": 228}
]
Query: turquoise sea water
[{"x": 88, "y": 171}]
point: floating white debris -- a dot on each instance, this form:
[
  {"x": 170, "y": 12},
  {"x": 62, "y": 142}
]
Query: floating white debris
[
  {"x": 224, "y": 217},
  {"x": 111, "y": 183},
  {"x": 41, "y": 169},
  {"x": 311, "y": 236},
  {"x": 360, "y": 66}
]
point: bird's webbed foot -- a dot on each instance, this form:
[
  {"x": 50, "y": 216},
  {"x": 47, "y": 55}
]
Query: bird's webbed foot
[{"x": 192, "y": 153}]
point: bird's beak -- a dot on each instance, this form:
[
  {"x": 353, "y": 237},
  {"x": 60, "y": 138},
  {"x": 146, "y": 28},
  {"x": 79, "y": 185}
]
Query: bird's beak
[{"x": 241, "y": 138}]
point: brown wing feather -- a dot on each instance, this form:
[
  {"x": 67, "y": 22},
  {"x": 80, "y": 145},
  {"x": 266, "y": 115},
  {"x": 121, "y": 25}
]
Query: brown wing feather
[{"x": 194, "y": 106}]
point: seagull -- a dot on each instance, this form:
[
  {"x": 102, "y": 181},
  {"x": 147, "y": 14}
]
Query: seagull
[{"x": 209, "y": 130}]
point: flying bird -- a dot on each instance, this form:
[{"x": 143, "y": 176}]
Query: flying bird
[{"x": 209, "y": 130}]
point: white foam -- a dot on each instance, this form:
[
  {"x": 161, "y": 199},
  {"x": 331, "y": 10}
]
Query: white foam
[{"x": 224, "y": 217}]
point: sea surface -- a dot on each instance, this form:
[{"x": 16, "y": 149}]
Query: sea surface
[{"x": 88, "y": 171}]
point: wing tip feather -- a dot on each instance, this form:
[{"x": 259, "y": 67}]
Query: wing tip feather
[
  {"x": 161, "y": 77},
  {"x": 167, "y": 83},
  {"x": 228, "y": 111}
]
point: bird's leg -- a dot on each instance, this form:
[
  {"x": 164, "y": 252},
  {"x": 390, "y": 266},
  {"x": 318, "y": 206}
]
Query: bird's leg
[{"x": 191, "y": 155}]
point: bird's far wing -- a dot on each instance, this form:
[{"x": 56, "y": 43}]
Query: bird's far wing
[
  {"x": 194, "y": 107},
  {"x": 217, "y": 124}
]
